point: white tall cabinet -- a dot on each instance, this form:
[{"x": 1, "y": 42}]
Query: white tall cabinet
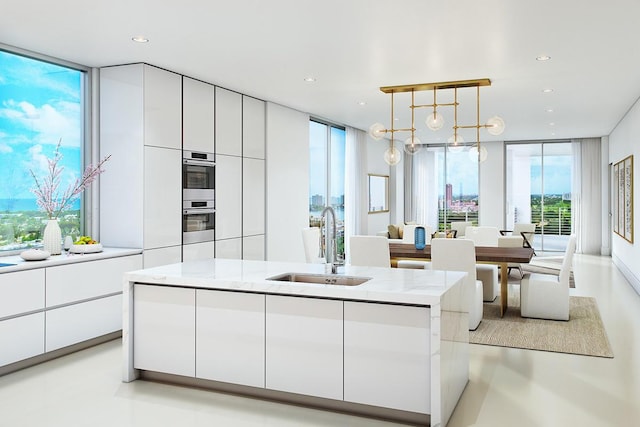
[{"x": 141, "y": 128}]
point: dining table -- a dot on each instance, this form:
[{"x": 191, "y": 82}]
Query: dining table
[{"x": 501, "y": 256}]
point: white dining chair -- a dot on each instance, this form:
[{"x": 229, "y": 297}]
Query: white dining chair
[
  {"x": 460, "y": 227},
  {"x": 311, "y": 242},
  {"x": 486, "y": 273},
  {"x": 370, "y": 251},
  {"x": 546, "y": 296},
  {"x": 460, "y": 255}
]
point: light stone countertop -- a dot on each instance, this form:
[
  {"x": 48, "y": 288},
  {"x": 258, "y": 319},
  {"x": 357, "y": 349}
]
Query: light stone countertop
[
  {"x": 394, "y": 285},
  {"x": 64, "y": 258}
]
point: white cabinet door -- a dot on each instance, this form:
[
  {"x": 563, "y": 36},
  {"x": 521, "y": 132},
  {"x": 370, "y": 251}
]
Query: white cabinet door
[
  {"x": 253, "y": 248},
  {"x": 253, "y": 200},
  {"x": 162, "y": 108},
  {"x": 162, "y": 256},
  {"x": 228, "y": 197},
  {"x": 196, "y": 251},
  {"x": 253, "y": 127},
  {"x": 387, "y": 356},
  {"x": 229, "y": 248},
  {"x": 164, "y": 329},
  {"x": 21, "y": 292},
  {"x": 197, "y": 115},
  {"x": 83, "y": 280},
  {"x": 162, "y": 197},
  {"x": 230, "y": 337},
  {"x": 21, "y": 338},
  {"x": 304, "y": 346},
  {"x": 80, "y": 322},
  {"x": 228, "y": 122}
]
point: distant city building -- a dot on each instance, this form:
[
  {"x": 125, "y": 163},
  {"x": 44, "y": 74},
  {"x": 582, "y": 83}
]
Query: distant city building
[
  {"x": 449, "y": 194},
  {"x": 317, "y": 200}
]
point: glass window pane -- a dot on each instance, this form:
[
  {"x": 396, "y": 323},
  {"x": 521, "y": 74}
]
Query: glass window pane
[
  {"x": 40, "y": 104},
  {"x": 317, "y": 171}
]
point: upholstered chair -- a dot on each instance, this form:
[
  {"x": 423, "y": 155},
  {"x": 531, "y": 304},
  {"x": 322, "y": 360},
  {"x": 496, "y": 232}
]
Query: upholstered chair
[
  {"x": 546, "y": 296},
  {"x": 511, "y": 242},
  {"x": 460, "y": 255},
  {"x": 487, "y": 273},
  {"x": 370, "y": 251},
  {"x": 311, "y": 242},
  {"x": 460, "y": 227}
]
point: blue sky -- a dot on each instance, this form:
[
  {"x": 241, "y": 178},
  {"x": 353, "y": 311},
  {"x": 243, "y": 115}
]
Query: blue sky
[{"x": 40, "y": 103}]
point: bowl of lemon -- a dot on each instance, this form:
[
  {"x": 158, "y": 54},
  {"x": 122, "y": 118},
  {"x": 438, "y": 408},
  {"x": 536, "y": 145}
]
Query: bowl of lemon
[{"x": 85, "y": 245}]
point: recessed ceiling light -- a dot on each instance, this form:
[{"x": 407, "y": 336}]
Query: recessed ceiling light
[
  {"x": 543, "y": 58},
  {"x": 547, "y": 90},
  {"x": 140, "y": 39},
  {"x": 549, "y": 110},
  {"x": 309, "y": 79},
  {"x": 552, "y": 124},
  {"x": 362, "y": 103}
]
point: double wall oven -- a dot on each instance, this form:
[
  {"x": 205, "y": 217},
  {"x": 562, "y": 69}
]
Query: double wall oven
[{"x": 198, "y": 194}]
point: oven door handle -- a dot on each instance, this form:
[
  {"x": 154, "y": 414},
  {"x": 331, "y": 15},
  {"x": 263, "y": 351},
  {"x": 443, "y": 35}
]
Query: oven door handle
[
  {"x": 198, "y": 162},
  {"x": 196, "y": 211}
]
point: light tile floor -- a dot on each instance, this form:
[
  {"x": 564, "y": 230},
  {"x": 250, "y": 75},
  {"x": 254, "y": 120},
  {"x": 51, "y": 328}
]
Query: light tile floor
[{"x": 507, "y": 387}]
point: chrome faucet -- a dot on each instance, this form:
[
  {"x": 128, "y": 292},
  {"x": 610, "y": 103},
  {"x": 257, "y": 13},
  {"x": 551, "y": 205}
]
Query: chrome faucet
[{"x": 329, "y": 249}]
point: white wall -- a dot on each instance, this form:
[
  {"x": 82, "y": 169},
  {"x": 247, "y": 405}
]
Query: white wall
[
  {"x": 376, "y": 165},
  {"x": 287, "y": 182},
  {"x": 623, "y": 142}
]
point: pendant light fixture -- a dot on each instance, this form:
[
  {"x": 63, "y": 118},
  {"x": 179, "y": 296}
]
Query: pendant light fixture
[{"x": 435, "y": 120}]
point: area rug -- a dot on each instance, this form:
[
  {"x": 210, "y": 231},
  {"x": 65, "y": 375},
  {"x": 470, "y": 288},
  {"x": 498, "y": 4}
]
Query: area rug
[{"x": 583, "y": 334}]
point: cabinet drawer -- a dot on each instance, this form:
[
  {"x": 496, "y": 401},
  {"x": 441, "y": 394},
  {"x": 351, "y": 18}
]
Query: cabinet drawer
[
  {"x": 21, "y": 292},
  {"x": 21, "y": 338},
  {"x": 80, "y": 322},
  {"x": 83, "y": 280}
]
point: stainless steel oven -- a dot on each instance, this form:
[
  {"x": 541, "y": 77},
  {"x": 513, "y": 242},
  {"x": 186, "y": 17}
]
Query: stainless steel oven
[
  {"x": 198, "y": 221},
  {"x": 198, "y": 176}
]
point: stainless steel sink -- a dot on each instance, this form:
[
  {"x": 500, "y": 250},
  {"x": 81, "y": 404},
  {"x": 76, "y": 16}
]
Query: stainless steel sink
[{"x": 325, "y": 279}]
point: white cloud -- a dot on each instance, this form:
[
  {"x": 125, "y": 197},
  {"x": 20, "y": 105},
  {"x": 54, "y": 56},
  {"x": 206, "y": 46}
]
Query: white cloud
[{"x": 5, "y": 149}]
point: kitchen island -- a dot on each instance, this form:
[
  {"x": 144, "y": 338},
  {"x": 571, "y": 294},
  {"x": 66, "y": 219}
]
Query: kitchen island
[{"x": 395, "y": 346}]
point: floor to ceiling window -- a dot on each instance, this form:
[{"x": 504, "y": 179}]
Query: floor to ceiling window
[
  {"x": 444, "y": 187},
  {"x": 327, "y": 174},
  {"x": 41, "y": 104},
  {"x": 538, "y": 190}
]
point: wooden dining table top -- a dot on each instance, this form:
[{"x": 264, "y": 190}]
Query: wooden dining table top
[{"x": 493, "y": 254}]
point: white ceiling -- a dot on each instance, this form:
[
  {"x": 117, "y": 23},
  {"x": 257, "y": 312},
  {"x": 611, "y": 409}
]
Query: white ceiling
[{"x": 352, "y": 47}]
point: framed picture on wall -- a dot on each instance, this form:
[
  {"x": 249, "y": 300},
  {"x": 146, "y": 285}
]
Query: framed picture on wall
[
  {"x": 378, "y": 193},
  {"x": 623, "y": 198}
]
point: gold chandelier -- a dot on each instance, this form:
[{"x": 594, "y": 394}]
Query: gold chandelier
[{"x": 435, "y": 120}]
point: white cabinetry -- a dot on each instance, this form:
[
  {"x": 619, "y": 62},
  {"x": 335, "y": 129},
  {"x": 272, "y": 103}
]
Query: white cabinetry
[
  {"x": 196, "y": 251},
  {"x": 387, "y": 356},
  {"x": 253, "y": 247},
  {"x": 162, "y": 107},
  {"x": 141, "y": 128},
  {"x": 253, "y": 203},
  {"x": 229, "y": 248},
  {"x": 165, "y": 329},
  {"x": 304, "y": 346},
  {"x": 253, "y": 128},
  {"x": 162, "y": 198},
  {"x": 228, "y": 197},
  {"x": 21, "y": 338},
  {"x": 228, "y": 122},
  {"x": 85, "y": 280},
  {"x": 80, "y": 322},
  {"x": 230, "y": 337},
  {"x": 21, "y": 292},
  {"x": 198, "y": 117},
  {"x": 162, "y": 256}
]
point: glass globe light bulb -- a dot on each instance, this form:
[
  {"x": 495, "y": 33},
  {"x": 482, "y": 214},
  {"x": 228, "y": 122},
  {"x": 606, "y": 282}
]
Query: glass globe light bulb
[
  {"x": 495, "y": 125},
  {"x": 392, "y": 156},
  {"x": 412, "y": 146},
  {"x": 455, "y": 143},
  {"x": 377, "y": 131},
  {"x": 434, "y": 120},
  {"x": 475, "y": 157}
]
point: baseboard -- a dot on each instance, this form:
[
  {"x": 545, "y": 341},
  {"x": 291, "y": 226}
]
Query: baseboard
[{"x": 627, "y": 273}]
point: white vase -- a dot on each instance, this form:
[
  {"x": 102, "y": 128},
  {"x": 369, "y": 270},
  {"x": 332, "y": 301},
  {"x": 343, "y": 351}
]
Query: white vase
[{"x": 52, "y": 237}]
